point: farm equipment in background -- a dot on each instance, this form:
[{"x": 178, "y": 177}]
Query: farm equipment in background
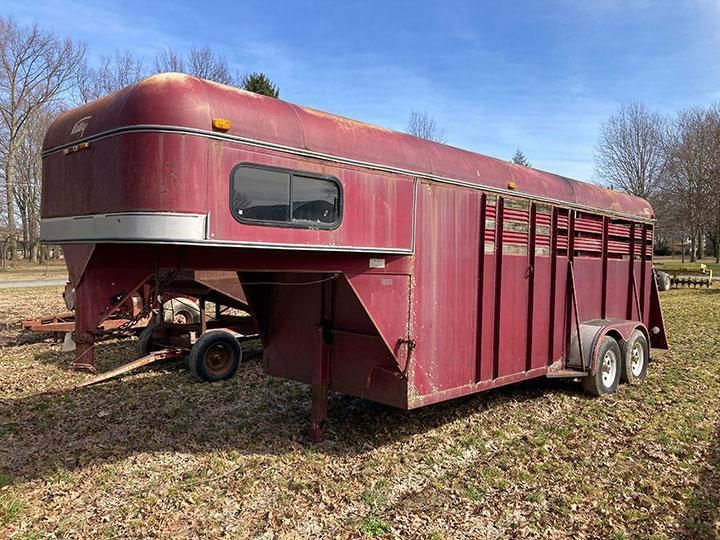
[
  {"x": 691, "y": 275},
  {"x": 127, "y": 317},
  {"x": 170, "y": 323}
]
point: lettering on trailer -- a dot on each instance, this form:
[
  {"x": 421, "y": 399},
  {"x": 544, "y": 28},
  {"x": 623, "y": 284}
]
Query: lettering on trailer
[{"x": 80, "y": 125}]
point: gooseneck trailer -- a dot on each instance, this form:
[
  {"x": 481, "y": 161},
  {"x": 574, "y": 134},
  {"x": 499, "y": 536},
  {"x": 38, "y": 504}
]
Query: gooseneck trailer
[{"x": 373, "y": 263}]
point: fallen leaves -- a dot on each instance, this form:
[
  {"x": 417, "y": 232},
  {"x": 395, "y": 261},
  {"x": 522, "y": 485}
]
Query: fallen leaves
[{"x": 158, "y": 454}]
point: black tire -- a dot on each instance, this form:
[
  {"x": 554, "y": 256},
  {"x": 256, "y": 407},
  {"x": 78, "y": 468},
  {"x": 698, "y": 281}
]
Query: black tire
[
  {"x": 636, "y": 355},
  {"x": 145, "y": 344},
  {"x": 607, "y": 365},
  {"x": 664, "y": 281},
  {"x": 181, "y": 311},
  {"x": 215, "y": 356}
]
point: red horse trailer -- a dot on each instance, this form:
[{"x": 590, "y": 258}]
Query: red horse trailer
[{"x": 374, "y": 263}]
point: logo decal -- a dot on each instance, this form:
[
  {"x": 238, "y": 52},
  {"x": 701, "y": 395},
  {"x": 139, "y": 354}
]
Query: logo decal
[{"x": 80, "y": 126}]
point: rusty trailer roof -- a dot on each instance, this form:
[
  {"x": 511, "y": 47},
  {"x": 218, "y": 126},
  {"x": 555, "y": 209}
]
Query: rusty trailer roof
[{"x": 186, "y": 104}]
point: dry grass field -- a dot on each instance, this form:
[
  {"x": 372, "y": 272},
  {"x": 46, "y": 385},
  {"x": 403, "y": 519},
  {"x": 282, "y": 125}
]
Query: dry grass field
[
  {"x": 23, "y": 270},
  {"x": 157, "y": 454}
]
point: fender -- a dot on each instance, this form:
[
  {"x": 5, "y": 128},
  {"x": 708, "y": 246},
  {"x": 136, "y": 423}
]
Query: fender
[{"x": 592, "y": 332}]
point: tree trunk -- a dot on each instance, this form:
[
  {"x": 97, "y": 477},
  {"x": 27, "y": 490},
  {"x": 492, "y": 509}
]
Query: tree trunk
[
  {"x": 682, "y": 250},
  {"x": 717, "y": 239},
  {"x": 25, "y": 231},
  {"x": 700, "y": 246},
  {"x": 10, "y": 201}
]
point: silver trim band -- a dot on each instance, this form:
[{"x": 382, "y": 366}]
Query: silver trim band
[
  {"x": 125, "y": 226},
  {"x": 166, "y": 228},
  {"x": 141, "y": 128}
]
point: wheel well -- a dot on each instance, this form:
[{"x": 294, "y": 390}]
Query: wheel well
[
  {"x": 617, "y": 336},
  {"x": 613, "y": 333},
  {"x": 644, "y": 331}
]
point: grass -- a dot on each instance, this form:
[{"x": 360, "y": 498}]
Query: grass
[
  {"x": 158, "y": 454},
  {"x": 373, "y": 526},
  {"x": 11, "y": 508},
  {"x": 23, "y": 270}
]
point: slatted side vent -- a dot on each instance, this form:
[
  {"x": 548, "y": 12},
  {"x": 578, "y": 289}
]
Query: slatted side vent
[
  {"x": 639, "y": 231},
  {"x": 588, "y": 235},
  {"x": 490, "y": 222},
  {"x": 562, "y": 231},
  {"x": 515, "y": 227},
  {"x": 619, "y": 239},
  {"x": 543, "y": 229}
]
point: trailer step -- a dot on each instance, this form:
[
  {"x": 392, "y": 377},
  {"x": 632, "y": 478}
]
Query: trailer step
[{"x": 566, "y": 373}]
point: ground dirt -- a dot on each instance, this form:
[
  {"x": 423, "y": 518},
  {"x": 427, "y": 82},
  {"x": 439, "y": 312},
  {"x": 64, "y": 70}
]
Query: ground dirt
[{"x": 157, "y": 454}]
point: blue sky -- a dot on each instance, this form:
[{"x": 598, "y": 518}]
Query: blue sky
[{"x": 540, "y": 76}]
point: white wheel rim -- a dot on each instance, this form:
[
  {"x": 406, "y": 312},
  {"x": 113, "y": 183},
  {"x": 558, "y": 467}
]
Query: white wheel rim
[
  {"x": 637, "y": 360},
  {"x": 609, "y": 368}
]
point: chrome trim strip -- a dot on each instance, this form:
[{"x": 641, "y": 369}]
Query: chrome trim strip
[
  {"x": 416, "y": 190},
  {"x": 166, "y": 228},
  {"x": 158, "y": 128},
  {"x": 145, "y": 226}
]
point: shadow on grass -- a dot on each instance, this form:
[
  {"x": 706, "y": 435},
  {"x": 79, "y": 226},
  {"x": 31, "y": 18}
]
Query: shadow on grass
[
  {"x": 166, "y": 410},
  {"x": 703, "y": 516}
]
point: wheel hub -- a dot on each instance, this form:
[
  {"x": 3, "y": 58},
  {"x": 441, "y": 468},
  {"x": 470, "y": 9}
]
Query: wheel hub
[
  {"x": 637, "y": 359},
  {"x": 218, "y": 358},
  {"x": 609, "y": 369},
  {"x": 182, "y": 317}
]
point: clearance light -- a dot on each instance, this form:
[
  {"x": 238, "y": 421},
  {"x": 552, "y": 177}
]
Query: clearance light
[
  {"x": 221, "y": 124},
  {"x": 76, "y": 148},
  {"x": 512, "y": 185}
]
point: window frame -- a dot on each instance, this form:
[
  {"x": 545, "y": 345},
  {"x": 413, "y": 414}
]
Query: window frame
[{"x": 290, "y": 224}]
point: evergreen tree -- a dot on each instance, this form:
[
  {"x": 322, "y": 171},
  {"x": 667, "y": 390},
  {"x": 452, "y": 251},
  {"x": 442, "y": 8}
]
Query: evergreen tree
[
  {"x": 520, "y": 159},
  {"x": 260, "y": 84}
]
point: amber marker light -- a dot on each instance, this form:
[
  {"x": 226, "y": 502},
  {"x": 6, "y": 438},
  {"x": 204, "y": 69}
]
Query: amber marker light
[
  {"x": 512, "y": 185},
  {"x": 76, "y": 148},
  {"x": 221, "y": 124}
]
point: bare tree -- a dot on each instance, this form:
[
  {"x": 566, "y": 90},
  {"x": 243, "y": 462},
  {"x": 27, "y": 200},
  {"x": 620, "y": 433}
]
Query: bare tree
[
  {"x": 692, "y": 169},
  {"x": 713, "y": 133},
  {"x": 201, "y": 62},
  {"x": 169, "y": 61},
  {"x": 28, "y": 176},
  {"x": 422, "y": 125},
  {"x": 206, "y": 64},
  {"x": 630, "y": 153},
  {"x": 113, "y": 73},
  {"x": 35, "y": 67}
]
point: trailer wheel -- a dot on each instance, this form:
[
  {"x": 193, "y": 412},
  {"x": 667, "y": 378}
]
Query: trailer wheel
[
  {"x": 635, "y": 358},
  {"x": 181, "y": 311},
  {"x": 215, "y": 356},
  {"x": 664, "y": 281},
  {"x": 145, "y": 344},
  {"x": 608, "y": 364}
]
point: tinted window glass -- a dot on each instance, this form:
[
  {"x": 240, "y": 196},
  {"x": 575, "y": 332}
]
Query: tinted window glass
[
  {"x": 261, "y": 194},
  {"x": 314, "y": 200},
  {"x": 285, "y": 198}
]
